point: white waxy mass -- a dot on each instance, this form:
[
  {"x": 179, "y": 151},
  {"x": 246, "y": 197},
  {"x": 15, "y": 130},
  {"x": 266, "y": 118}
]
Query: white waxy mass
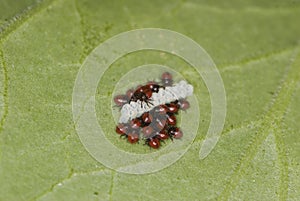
[{"x": 169, "y": 94}]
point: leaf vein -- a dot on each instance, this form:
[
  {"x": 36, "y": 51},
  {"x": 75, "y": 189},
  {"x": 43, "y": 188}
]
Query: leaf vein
[{"x": 272, "y": 119}]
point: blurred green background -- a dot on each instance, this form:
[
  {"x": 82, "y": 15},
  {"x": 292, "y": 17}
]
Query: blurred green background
[{"x": 255, "y": 45}]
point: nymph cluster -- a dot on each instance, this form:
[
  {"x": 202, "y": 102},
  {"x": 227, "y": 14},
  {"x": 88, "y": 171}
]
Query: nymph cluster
[{"x": 149, "y": 111}]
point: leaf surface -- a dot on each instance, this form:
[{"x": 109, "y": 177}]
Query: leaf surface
[{"x": 255, "y": 47}]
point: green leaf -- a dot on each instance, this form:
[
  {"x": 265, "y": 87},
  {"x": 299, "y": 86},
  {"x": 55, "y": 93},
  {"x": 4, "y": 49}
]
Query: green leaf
[
  {"x": 255, "y": 45},
  {"x": 9, "y": 9}
]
